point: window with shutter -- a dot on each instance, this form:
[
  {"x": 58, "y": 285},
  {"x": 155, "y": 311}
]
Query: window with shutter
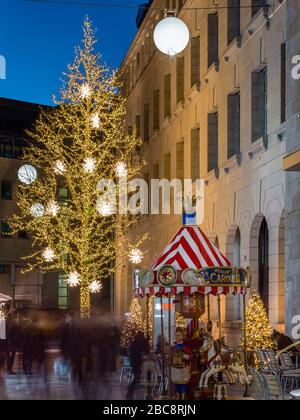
[
  {"x": 180, "y": 79},
  {"x": 213, "y": 39},
  {"x": 213, "y": 147},
  {"x": 233, "y": 125},
  {"x": 233, "y": 20},
  {"x": 146, "y": 122},
  {"x": 195, "y": 154},
  {"x": 156, "y": 118},
  {"x": 283, "y": 84},
  {"x": 195, "y": 61},
  {"x": 167, "y": 166},
  {"x": 138, "y": 125},
  {"x": 180, "y": 161},
  {"x": 259, "y": 104},
  {"x": 167, "y": 92}
]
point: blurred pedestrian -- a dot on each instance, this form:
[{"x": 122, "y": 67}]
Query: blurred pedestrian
[
  {"x": 138, "y": 347},
  {"x": 13, "y": 341}
]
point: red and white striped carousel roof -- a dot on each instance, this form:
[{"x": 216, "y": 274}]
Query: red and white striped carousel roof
[{"x": 190, "y": 248}]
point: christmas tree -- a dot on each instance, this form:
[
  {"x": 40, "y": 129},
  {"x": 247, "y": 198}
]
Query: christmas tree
[
  {"x": 64, "y": 207},
  {"x": 258, "y": 327},
  {"x": 133, "y": 324}
]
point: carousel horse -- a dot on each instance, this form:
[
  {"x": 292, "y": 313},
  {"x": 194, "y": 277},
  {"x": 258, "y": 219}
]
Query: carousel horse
[{"x": 222, "y": 359}]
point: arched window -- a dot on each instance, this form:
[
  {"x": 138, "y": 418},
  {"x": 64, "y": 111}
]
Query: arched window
[{"x": 263, "y": 263}]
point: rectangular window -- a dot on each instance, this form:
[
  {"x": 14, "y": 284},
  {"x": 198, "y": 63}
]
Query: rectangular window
[
  {"x": 195, "y": 154},
  {"x": 283, "y": 84},
  {"x": 156, "y": 113},
  {"x": 195, "y": 61},
  {"x": 180, "y": 79},
  {"x": 138, "y": 126},
  {"x": 233, "y": 125},
  {"x": 167, "y": 90},
  {"x": 146, "y": 122},
  {"x": 6, "y": 148},
  {"x": 259, "y": 104},
  {"x": 6, "y": 190},
  {"x": 63, "y": 292},
  {"x": 213, "y": 39},
  {"x": 213, "y": 146},
  {"x": 155, "y": 171},
  {"x": 167, "y": 166},
  {"x": 18, "y": 151},
  {"x": 5, "y": 229},
  {"x": 180, "y": 160},
  {"x": 4, "y": 269},
  {"x": 63, "y": 195},
  {"x": 233, "y": 20}
]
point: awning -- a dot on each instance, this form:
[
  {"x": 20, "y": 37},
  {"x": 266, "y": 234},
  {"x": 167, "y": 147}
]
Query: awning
[
  {"x": 190, "y": 264},
  {"x": 4, "y": 298}
]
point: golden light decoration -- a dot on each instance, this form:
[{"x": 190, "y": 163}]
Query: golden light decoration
[
  {"x": 59, "y": 167},
  {"x": 95, "y": 287},
  {"x": 135, "y": 322},
  {"x": 89, "y": 165},
  {"x": 52, "y": 208},
  {"x": 95, "y": 121},
  {"x": 48, "y": 254},
  {"x": 136, "y": 256},
  {"x": 85, "y": 91},
  {"x": 37, "y": 210},
  {"x": 73, "y": 279},
  {"x": 121, "y": 169}
]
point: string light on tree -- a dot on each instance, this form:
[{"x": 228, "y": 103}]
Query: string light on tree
[
  {"x": 73, "y": 279},
  {"x": 136, "y": 256},
  {"x": 258, "y": 326},
  {"x": 134, "y": 323},
  {"x": 60, "y": 141},
  {"x": 48, "y": 254},
  {"x": 89, "y": 165},
  {"x": 95, "y": 286},
  {"x": 60, "y": 167}
]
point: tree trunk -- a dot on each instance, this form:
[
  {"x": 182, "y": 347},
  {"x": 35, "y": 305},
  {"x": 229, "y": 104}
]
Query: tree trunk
[{"x": 85, "y": 302}]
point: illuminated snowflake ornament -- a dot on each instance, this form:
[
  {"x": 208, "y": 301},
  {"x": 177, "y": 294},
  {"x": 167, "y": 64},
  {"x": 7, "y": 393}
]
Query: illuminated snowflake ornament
[
  {"x": 136, "y": 256},
  {"x": 73, "y": 279},
  {"x": 95, "y": 287},
  {"x": 95, "y": 121},
  {"x": 37, "y": 210},
  {"x": 52, "y": 208},
  {"x": 89, "y": 165},
  {"x": 48, "y": 254},
  {"x": 60, "y": 167},
  {"x": 121, "y": 169},
  {"x": 85, "y": 91}
]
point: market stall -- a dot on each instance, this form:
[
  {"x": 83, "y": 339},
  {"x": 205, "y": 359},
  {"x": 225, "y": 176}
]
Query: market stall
[{"x": 191, "y": 268}]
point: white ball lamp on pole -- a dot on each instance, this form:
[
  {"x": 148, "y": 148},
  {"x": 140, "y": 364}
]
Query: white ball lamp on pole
[{"x": 171, "y": 35}]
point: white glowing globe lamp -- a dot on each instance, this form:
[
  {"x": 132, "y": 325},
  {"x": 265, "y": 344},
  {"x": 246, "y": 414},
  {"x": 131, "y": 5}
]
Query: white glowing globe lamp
[
  {"x": 37, "y": 210},
  {"x": 171, "y": 36},
  {"x": 27, "y": 174}
]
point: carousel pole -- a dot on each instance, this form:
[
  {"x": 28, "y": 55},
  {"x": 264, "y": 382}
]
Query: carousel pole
[
  {"x": 246, "y": 393},
  {"x": 147, "y": 318},
  {"x": 208, "y": 308},
  {"x": 170, "y": 346},
  {"x": 163, "y": 346},
  {"x": 219, "y": 316}
]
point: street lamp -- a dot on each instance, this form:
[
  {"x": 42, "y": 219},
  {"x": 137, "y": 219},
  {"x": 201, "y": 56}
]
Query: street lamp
[{"x": 171, "y": 35}]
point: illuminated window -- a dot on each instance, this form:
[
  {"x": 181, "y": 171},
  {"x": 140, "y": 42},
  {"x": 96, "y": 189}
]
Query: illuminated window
[
  {"x": 6, "y": 190},
  {"x": 63, "y": 292}
]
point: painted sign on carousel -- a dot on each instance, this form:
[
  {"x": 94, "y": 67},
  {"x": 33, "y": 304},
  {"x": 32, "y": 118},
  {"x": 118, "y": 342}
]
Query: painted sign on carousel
[{"x": 225, "y": 276}]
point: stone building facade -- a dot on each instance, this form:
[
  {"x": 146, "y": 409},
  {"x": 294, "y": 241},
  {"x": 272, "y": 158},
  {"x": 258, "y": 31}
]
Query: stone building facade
[{"x": 217, "y": 112}]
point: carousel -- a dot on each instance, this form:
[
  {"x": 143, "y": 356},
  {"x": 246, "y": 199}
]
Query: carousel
[{"x": 188, "y": 272}]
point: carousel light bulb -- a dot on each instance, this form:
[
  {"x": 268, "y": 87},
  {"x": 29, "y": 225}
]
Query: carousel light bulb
[
  {"x": 135, "y": 256},
  {"x": 95, "y": 287},
  {"x": 60, "y": 167},
  {"x": 27, "y": 174},
  {"x": 53, "y": 208},
  {"x": 85, "y": 91},
  {"x": 48, "y": 254},
  {"x": 171, "y": 36},
  {"x": 121, "y": 169},
  {"x": 89, "y": 165},
  {"x": 73, "y": 279},
  {"x": 95, "y": 120},
  {"x": 37, "y": 210}
]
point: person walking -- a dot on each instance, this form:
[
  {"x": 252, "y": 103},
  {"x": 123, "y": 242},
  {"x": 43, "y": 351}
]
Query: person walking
[{"x": 137, "y": 348}]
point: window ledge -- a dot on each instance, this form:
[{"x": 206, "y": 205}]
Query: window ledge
[
  {"x": 211, "y": 73},
  {"x": 179, "y": 109},
  {"x": 195, "y": 89},
  {"x": 232, "y": 49},
  {"x": 166, "y": 122},
  {"x": 256, "y": 22},
  {"x": 155, "y": 134},
  {"x": 258, "y": 147},
  {"x": 232, "y": 163},
  {"x": 212, "y": 176},
  {"x": 281, "y": 133}
]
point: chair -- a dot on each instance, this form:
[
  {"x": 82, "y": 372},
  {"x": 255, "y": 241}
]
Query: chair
[
  {"x": 272, "y": 386},
  {"x": 290, "y": 375},
  {"x": 259, "y": 384},
  {"x": 126, "y": 370}
]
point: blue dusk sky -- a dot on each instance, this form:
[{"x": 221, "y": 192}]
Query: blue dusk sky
[{"x": 37, "y": 40}]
